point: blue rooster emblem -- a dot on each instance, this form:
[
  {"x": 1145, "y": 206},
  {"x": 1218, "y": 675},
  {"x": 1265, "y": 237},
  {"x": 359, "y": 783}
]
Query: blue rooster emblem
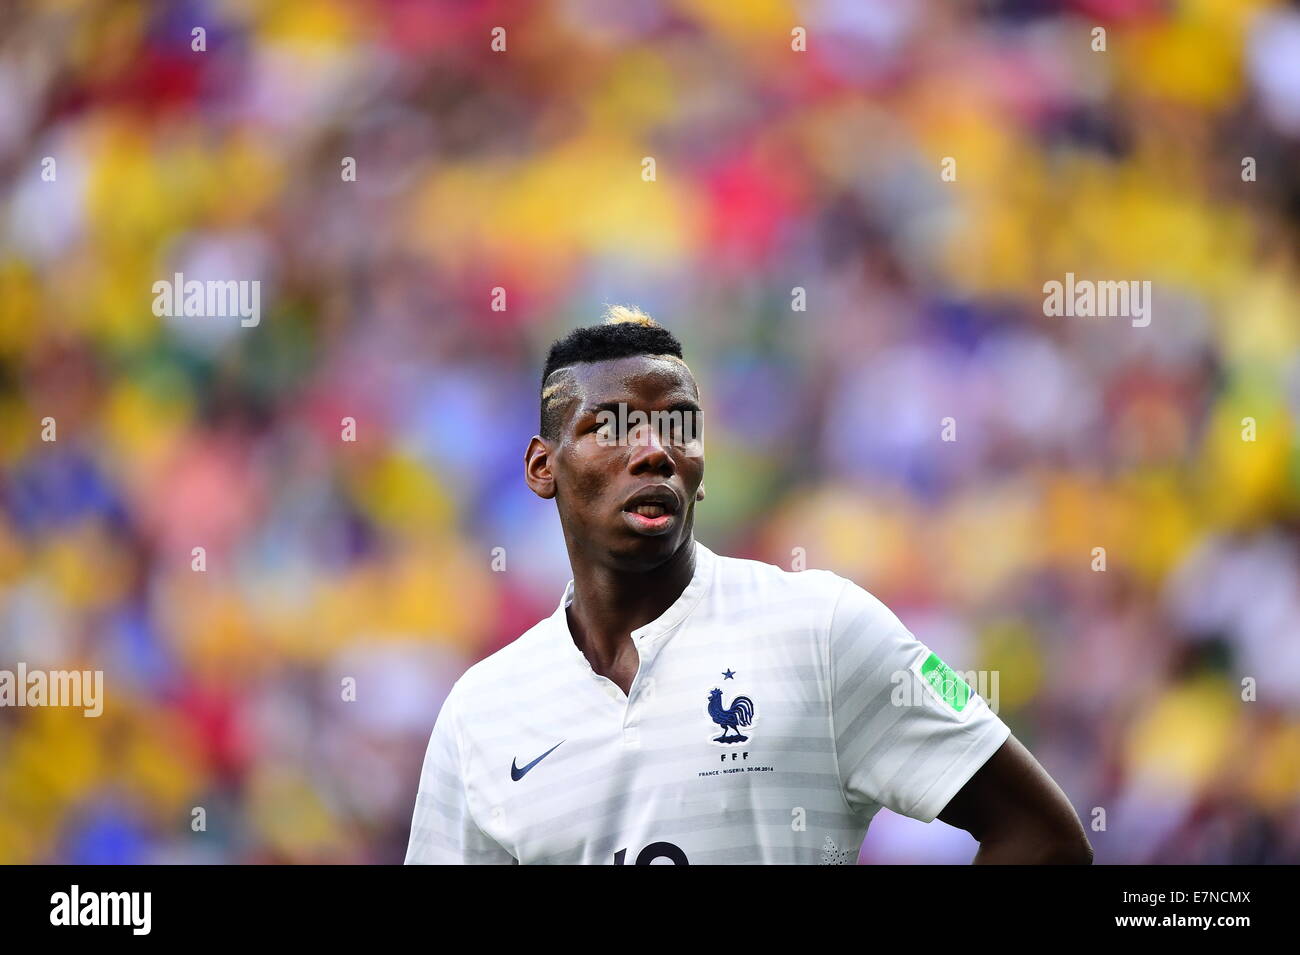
[{"x": 739, "y": 713}]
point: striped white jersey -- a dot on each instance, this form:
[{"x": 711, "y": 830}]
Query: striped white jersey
[{"x": 771, "y": 716}]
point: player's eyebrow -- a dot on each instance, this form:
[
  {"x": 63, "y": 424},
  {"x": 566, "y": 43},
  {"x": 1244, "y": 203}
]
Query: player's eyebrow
[{"x": 612, "y": 406}]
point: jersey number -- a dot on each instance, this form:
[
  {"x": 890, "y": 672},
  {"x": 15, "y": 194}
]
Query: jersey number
[{"x": 656, "y": 850}]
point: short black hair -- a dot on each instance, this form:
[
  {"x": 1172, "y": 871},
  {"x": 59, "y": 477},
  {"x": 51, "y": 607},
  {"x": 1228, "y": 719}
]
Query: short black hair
[{"x": 625, "y": 333}]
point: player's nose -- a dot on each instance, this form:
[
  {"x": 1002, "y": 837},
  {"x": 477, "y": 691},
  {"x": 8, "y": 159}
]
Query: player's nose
[{"x": 649, "y": 453}]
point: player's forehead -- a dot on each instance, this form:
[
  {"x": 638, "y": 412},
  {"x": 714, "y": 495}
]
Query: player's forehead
[{"x": 640, "y": 381}]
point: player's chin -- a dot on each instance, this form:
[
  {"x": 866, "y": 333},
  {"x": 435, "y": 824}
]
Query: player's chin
[{"x": 640, "y": 551}]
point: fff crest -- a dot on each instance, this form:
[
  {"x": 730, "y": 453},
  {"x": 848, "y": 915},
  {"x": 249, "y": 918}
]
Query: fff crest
[{"x": 730, "y": 717}]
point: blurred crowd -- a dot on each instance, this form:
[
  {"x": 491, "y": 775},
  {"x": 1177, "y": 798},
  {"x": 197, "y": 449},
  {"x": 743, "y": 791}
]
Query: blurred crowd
[{"x": 1110, "y": 521}]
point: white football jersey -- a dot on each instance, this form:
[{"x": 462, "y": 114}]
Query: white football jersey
[{"x": 771, "y": 716}]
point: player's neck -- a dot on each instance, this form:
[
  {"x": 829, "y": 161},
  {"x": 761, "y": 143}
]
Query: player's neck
[{"x": 608, "y": 604}]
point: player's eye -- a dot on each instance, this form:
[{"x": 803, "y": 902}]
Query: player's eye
[{"x": 685, "y": 428}]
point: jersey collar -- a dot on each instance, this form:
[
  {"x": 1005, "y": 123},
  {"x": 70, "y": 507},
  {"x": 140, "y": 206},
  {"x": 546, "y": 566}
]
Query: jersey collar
[{"x": 705, "y": 562}]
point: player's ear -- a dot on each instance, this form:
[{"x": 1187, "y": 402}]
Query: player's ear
[{"x": 537, "y": 468}]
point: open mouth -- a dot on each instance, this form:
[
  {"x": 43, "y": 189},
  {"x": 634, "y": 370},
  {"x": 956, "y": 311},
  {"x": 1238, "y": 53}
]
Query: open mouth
[{"x": 652, "y": 511}]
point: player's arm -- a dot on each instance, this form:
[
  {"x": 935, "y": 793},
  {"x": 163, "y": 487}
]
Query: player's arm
[
  {"x": 1018, "y": 813},
  {"x": 443, "y": 827},
  {"x": 913, "y": 736}
]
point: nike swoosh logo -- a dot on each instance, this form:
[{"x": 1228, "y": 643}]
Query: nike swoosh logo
[{"x": 517, "y": 774}]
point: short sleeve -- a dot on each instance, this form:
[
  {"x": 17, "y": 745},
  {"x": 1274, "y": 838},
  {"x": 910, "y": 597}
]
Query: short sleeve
[
  {"x": 443, "y": 830},
  {"x": 909, "y": 731}
]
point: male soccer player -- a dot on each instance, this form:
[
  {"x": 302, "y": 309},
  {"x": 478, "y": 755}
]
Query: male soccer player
[{"x": 684, "y": 707}]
